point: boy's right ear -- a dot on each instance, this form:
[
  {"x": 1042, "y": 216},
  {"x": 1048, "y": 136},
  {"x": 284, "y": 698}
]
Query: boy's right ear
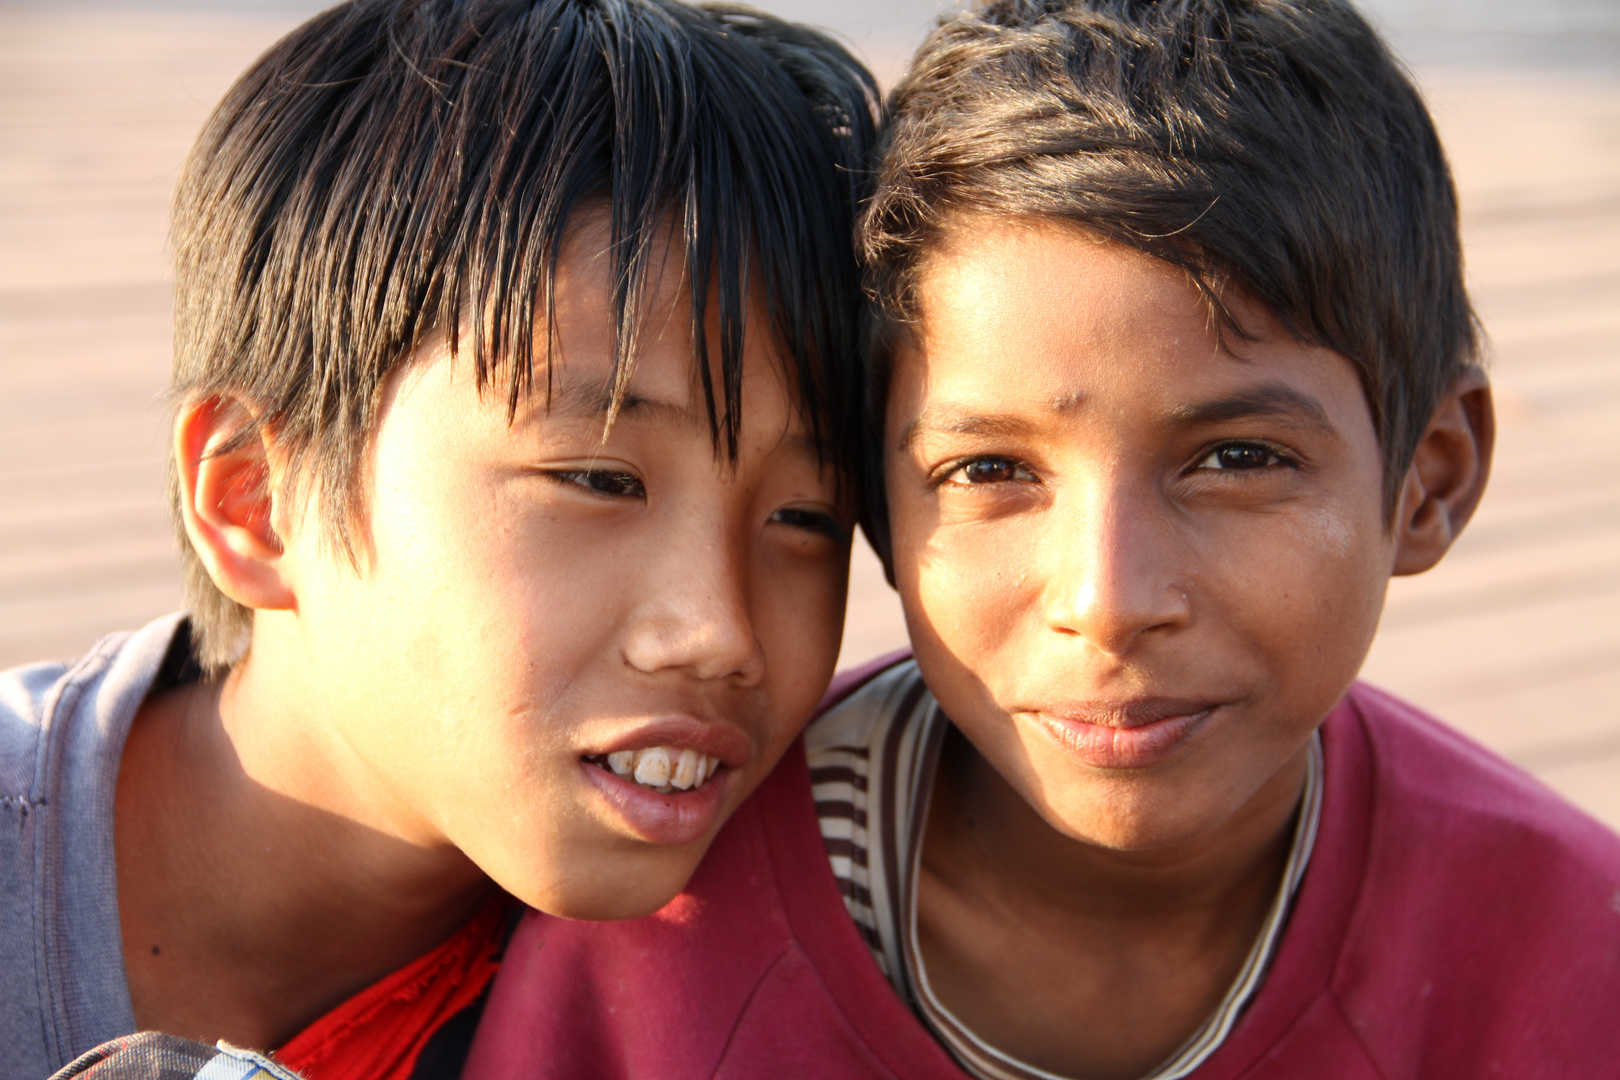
[{"x": 227, "y": 500}]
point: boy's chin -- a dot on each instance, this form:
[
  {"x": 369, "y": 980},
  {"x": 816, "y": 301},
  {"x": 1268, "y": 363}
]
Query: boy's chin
[
  {"x": 1136, "y": 816},
  {"x": 619, "y": 888},
  {"x": 1145, "y": 833},
  {"x": 1143, "y": 813}
]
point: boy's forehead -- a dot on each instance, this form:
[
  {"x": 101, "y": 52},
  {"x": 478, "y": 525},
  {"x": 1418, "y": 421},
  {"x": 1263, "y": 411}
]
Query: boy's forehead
[
  {"x": 1049, "y": 321},
  {"x": 664, "y": 390},
  {"x": 1056, "y": 275}
]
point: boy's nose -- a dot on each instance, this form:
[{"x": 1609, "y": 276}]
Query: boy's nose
[
  {"x": 691, "y": 612},
  {"x": 1112, "y": 571}
]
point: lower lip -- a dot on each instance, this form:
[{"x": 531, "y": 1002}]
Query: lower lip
[
  {"x": 1139, "y": 747},
  {"x": 679, "y": 817}
]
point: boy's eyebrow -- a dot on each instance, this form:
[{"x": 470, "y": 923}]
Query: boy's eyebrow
[
  {"x": 1270, "y": 399},
  {"x": 943, "y": 418},
  {"x": 589, "y": 400}
]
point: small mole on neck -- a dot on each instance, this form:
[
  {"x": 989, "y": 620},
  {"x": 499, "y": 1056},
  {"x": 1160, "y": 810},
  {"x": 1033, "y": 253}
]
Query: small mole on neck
[{"x": 156, "y": 950}]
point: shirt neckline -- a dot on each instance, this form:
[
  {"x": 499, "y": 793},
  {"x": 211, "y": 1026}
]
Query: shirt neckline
[{"x": 978, "y": 1057}]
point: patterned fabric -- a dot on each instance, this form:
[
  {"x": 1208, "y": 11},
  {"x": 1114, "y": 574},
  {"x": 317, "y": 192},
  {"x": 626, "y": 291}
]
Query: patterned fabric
[
  {"x": 150, "y": 1056},
  {"x": 872, "y": 762}
]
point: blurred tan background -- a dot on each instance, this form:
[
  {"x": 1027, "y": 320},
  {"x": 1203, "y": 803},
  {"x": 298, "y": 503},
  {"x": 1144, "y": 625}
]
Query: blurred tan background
[{"x": 1514, "y": 639}]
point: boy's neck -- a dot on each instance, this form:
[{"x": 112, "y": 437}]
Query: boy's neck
[
  {"x": 255, "y": 891},
  {"x": 1020, "y": 926}
]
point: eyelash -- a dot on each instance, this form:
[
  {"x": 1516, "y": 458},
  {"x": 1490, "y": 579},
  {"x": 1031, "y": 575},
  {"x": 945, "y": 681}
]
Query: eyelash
[
  {"x": 629, "y": 485},
  {"x": 810, "y": 521}
]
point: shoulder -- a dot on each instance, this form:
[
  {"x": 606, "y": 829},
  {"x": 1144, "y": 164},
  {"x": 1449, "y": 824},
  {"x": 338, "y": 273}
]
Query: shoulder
[
  {"x": 1489, "y": 910},
  {"x": 25, "y": 696},
  {"x": 62, "y": 728},
  {"x": 1425, "y": 770},
  {"x": 42, "y": 705}
]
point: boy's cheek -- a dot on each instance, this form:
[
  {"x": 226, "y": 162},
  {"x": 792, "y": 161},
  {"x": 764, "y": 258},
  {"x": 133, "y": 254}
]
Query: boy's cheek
[
  {"x": 964, "y": 585},
  {"x": 1306, "y": 603},
  {"x": 500, "y": 776}
]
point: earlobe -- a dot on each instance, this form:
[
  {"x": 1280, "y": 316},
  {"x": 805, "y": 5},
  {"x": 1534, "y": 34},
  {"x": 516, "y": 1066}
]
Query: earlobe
[
  {"x": 227, "y": 500},
  {"x": 1447, "y": 476}
]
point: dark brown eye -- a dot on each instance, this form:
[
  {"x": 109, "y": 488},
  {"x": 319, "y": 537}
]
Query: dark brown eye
[
  {"x": 1240, "y": 456},
  {"x": 989, "y": 471}
]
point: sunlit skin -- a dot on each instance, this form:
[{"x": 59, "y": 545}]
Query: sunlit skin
[
  {"x": 529, "y": 595},
  {"x": 1138, "y": 570}
]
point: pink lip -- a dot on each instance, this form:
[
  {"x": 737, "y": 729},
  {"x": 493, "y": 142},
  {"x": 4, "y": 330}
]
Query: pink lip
[
  {"x": 1129, "y": 735},
  {"x": 679, "y": 817},
  {"x": 676, "y": 817}
]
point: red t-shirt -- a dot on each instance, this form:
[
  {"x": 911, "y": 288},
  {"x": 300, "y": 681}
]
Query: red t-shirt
[
  {"x": 382, "y": 1032},
  {"x": 1457, "y": 920}
]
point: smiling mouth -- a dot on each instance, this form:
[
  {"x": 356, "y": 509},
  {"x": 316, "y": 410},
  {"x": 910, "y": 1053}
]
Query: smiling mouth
[{"x": 664, "y": 769}]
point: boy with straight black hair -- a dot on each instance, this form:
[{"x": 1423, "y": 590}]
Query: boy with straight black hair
[
  {"x": 1175, "y": 367},
  {"x": 516, "y": 398}
]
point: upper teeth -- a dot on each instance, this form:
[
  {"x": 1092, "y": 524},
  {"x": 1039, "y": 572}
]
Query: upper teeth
[{"x": 666, "y": 768}]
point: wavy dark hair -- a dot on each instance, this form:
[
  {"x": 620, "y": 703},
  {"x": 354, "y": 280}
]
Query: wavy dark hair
[
  {"x": 1274, "y": 145},
  {"x": 398, "y": 168}
]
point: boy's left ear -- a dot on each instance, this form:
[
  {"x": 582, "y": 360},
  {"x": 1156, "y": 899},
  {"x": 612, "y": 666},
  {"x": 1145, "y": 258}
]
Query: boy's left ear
[{"x": 1447, "y": 475}]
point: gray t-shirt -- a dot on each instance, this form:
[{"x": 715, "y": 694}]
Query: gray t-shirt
[{"x": 62, "y": 729}]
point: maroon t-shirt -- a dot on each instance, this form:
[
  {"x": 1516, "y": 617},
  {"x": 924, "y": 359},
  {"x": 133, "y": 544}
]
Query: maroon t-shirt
[{"x": 1457, "y": 920}]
